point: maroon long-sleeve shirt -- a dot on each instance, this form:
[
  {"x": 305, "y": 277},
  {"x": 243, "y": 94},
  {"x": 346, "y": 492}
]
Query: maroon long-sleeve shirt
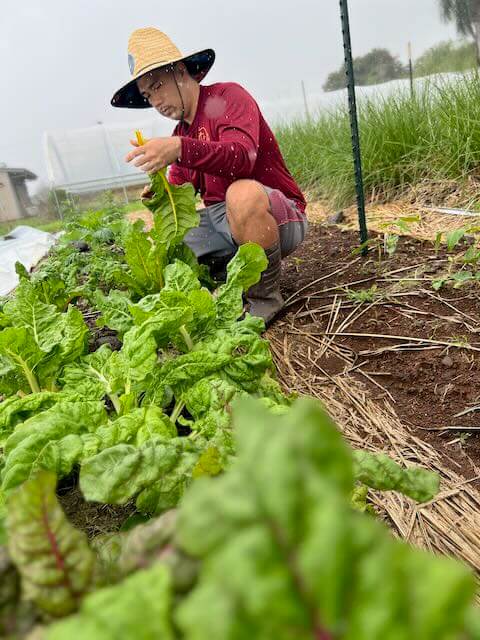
[{"x": 227, "y": 140}]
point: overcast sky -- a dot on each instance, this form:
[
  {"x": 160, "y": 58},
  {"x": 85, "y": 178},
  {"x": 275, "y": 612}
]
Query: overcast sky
[{"x": 63, "y": 59}]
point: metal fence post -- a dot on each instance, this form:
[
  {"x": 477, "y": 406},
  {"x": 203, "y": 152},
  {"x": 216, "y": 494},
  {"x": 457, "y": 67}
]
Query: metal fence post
[{"x": 352, "y": 107}]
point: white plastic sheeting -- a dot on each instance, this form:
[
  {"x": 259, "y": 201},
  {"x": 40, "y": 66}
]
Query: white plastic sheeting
[{"x": 26, "y": 245}]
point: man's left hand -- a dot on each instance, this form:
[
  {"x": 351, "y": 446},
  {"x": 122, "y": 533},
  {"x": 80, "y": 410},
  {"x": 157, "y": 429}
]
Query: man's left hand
[{"x": 155, "y": 154}]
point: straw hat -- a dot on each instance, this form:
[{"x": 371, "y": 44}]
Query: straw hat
[{"x": 150, "y": 49}]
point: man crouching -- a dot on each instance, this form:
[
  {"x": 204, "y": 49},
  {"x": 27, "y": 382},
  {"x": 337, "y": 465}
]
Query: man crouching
[{"x": 224, "y": 147}]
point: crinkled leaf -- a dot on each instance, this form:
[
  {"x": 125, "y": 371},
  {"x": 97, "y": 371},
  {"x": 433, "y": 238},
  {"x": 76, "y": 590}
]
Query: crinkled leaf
[
  {"x": 378, "y": 471},
  {"x": 90, "y": 377},
  {"x": 146, "y": 260},
  {"x": 183, "y": 371},
  {"x": 243, "y": 271},
  {"x": 161, "y": 469},
  {"x": 250, "y": 357},
  {"x": 25, "y": 447},
  {"x": 26, "y": 310},
  {"x": 54, "y": 560},
  {"x": 209, "y": 394},
  {"x": 136, "y": 427},
  {"x": 114, "y": 310},
  {"x": 19, "y": 357},
  {"x": 16, "y": 409},
  {"x": 173, "y": 209},
  {"x": 180, "y": 277}
]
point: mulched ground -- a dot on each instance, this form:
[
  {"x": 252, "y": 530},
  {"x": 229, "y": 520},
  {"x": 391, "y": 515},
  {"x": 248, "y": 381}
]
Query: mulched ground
[{"x": 428, "y": 383}]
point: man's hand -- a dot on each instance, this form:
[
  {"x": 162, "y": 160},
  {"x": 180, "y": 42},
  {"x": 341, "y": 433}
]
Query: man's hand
[{"x": 155, "y": 154}]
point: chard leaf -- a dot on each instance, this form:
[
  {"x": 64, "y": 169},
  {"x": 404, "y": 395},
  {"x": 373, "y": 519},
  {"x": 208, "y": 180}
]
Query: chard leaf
[
  {"x": 290, "y": 558},
  {"x": 115, "y": 311},
  {"x": 182, "y": 372},
  {"x": 146, "y": 260},
  {"x": 92, "y": 376},
  {"x": 180, "y": 277},
  {"x": 146, "y": 423},
  {"x": 378, "y": 471},
  {"x": 249, "y": 357},
  {"x": 17, "y": 409},
  {"x": 56, "y": 565},
  {"x": 19, "y": 357},
  {"x": 137, "y": 427},
  {"x": 26, "y": 310},
  {"x": 25, "y": 447},
  {"x": 173, "y": 209},
  {"x": 243, "y": 271},
  {"x": 159, "y": 469},
  {"x": 164, "y": 306},
  {"x": 209, "y": 394},
  {"x": 138, "y": 607}
]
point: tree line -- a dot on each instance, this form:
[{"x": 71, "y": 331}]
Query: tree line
[{"x": 379, "y": 65}]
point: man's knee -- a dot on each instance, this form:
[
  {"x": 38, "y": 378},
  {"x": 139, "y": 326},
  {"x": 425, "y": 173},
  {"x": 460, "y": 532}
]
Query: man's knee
[{"x": 244, "y": 198}]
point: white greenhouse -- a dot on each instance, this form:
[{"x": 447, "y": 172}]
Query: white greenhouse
[{"x": 81, "y": 161}]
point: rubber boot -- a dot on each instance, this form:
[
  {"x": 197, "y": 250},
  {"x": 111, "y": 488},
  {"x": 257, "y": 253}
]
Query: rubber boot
[{"x": 264, "y": 298}]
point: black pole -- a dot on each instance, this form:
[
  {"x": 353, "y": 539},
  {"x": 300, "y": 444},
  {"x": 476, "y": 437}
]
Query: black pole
[{"x": 352, "y": 106}]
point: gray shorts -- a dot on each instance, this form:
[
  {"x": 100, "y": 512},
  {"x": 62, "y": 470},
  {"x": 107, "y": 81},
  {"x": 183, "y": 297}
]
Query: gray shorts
[{"x": 213, "y": 237}]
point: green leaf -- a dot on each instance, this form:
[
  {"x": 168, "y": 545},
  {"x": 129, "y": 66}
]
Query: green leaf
[
  {"x": 180, "y": 277},
  {"x": 42, "y": 340},
  {"x": 243, "y": 271},
  {"x": 173, "y": 209},
  {"x": 25, "y": 447},
  {"x": 16, "y": 409},
  {"x": 288, "y": 557},
  {"x": 209, "y": 394},
  {"x": 159, "y": 469},
  {"x": 26, "y": 310},
  {"x": 145, "y": 259},
  {"x": 136, "y": 427},
  {"x": 182, "y": 372},
  {"x": 92, "y": 376},
  {"x": 454, "y": 237},
  {"x": 249, "y": 355},
  {"x": 54, "y": 560},
  {"x": 115, "y": 311},
  {"x": 19, "y": 356},
  {"x": 378, "y": 471},
  {"x": 138, "y": 607}
]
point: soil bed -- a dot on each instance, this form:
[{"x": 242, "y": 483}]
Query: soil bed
[{"x": 430, "y": 372}]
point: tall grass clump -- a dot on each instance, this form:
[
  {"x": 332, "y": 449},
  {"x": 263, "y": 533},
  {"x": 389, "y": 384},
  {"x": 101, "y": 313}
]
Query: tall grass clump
[
  {"x": 405, "y": 140},
  {"x": 446, "y": 57}
]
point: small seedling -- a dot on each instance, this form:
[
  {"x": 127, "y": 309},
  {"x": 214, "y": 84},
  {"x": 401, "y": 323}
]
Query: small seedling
[{"x": 362, "y": 295}]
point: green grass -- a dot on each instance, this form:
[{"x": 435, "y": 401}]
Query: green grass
[
  {"x": 445, "y": 57},
  {"x": 45, "y": 224},
  {"x": 433, "y": 137}
]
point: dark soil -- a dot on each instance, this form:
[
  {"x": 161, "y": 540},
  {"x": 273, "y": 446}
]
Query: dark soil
[
  {"x": 429, "y": 386},
  {"x": 93, "y": 518}
]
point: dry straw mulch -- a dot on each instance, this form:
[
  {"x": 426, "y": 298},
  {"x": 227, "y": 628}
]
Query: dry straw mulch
[{"x": 450, "y": 523}]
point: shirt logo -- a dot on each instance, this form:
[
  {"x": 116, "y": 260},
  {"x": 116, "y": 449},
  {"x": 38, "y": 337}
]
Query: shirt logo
[{"x": 203, "y": 135}]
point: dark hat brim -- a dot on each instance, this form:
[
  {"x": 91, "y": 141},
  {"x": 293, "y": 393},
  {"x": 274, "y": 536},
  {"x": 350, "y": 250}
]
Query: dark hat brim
[{"x": 129, "y": 96}]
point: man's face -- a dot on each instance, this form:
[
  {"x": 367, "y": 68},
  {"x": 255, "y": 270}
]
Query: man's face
[{"x": 160, "y": 89}]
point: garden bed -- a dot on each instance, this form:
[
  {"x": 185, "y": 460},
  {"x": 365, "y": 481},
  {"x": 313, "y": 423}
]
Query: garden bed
[{"x": 428, "y": 371}]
